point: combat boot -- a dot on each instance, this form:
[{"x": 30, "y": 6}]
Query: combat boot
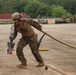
[
  {"x": 22, "y": 65},
  {"x": 40, "y": 65}
]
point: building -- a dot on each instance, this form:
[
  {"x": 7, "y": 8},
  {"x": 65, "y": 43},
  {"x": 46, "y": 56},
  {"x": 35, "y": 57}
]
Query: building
[{"x": 7, "y": 16}]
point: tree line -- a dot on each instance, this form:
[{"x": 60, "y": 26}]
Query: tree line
[{"x": 42, "y": 8}]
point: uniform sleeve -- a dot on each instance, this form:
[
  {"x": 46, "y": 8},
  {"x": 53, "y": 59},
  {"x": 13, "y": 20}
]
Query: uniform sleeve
[{"x": 13, "y": 33}]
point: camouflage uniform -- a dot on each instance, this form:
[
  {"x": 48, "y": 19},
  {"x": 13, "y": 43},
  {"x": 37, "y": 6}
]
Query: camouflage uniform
[{"x": 28, "y": 37}]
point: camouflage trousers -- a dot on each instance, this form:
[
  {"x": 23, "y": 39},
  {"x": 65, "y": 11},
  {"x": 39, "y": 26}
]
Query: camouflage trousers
[{"x": 33, "y": 44}]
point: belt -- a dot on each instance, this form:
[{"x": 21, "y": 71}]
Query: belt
[{"x": 29, "y": 36}]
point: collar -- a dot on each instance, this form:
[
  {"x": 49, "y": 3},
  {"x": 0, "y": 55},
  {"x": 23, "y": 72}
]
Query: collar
[{"x": 20, "y": 23}]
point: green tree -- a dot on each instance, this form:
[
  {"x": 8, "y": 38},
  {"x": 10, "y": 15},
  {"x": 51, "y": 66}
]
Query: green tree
[
  {"x": 58, "y": 11},
  {"x": 35, "y": 8},
  {"x": 38, "y": 7},
  {"x": 43, "y": 10},
  {"x": 31, "y": 8}
]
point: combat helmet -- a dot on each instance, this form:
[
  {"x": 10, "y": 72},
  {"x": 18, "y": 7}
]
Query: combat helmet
[{"x": 16, "y": 16}]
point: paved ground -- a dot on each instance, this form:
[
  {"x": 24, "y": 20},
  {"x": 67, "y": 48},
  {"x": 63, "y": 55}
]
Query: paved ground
[{"x": 60, "y": 58}]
